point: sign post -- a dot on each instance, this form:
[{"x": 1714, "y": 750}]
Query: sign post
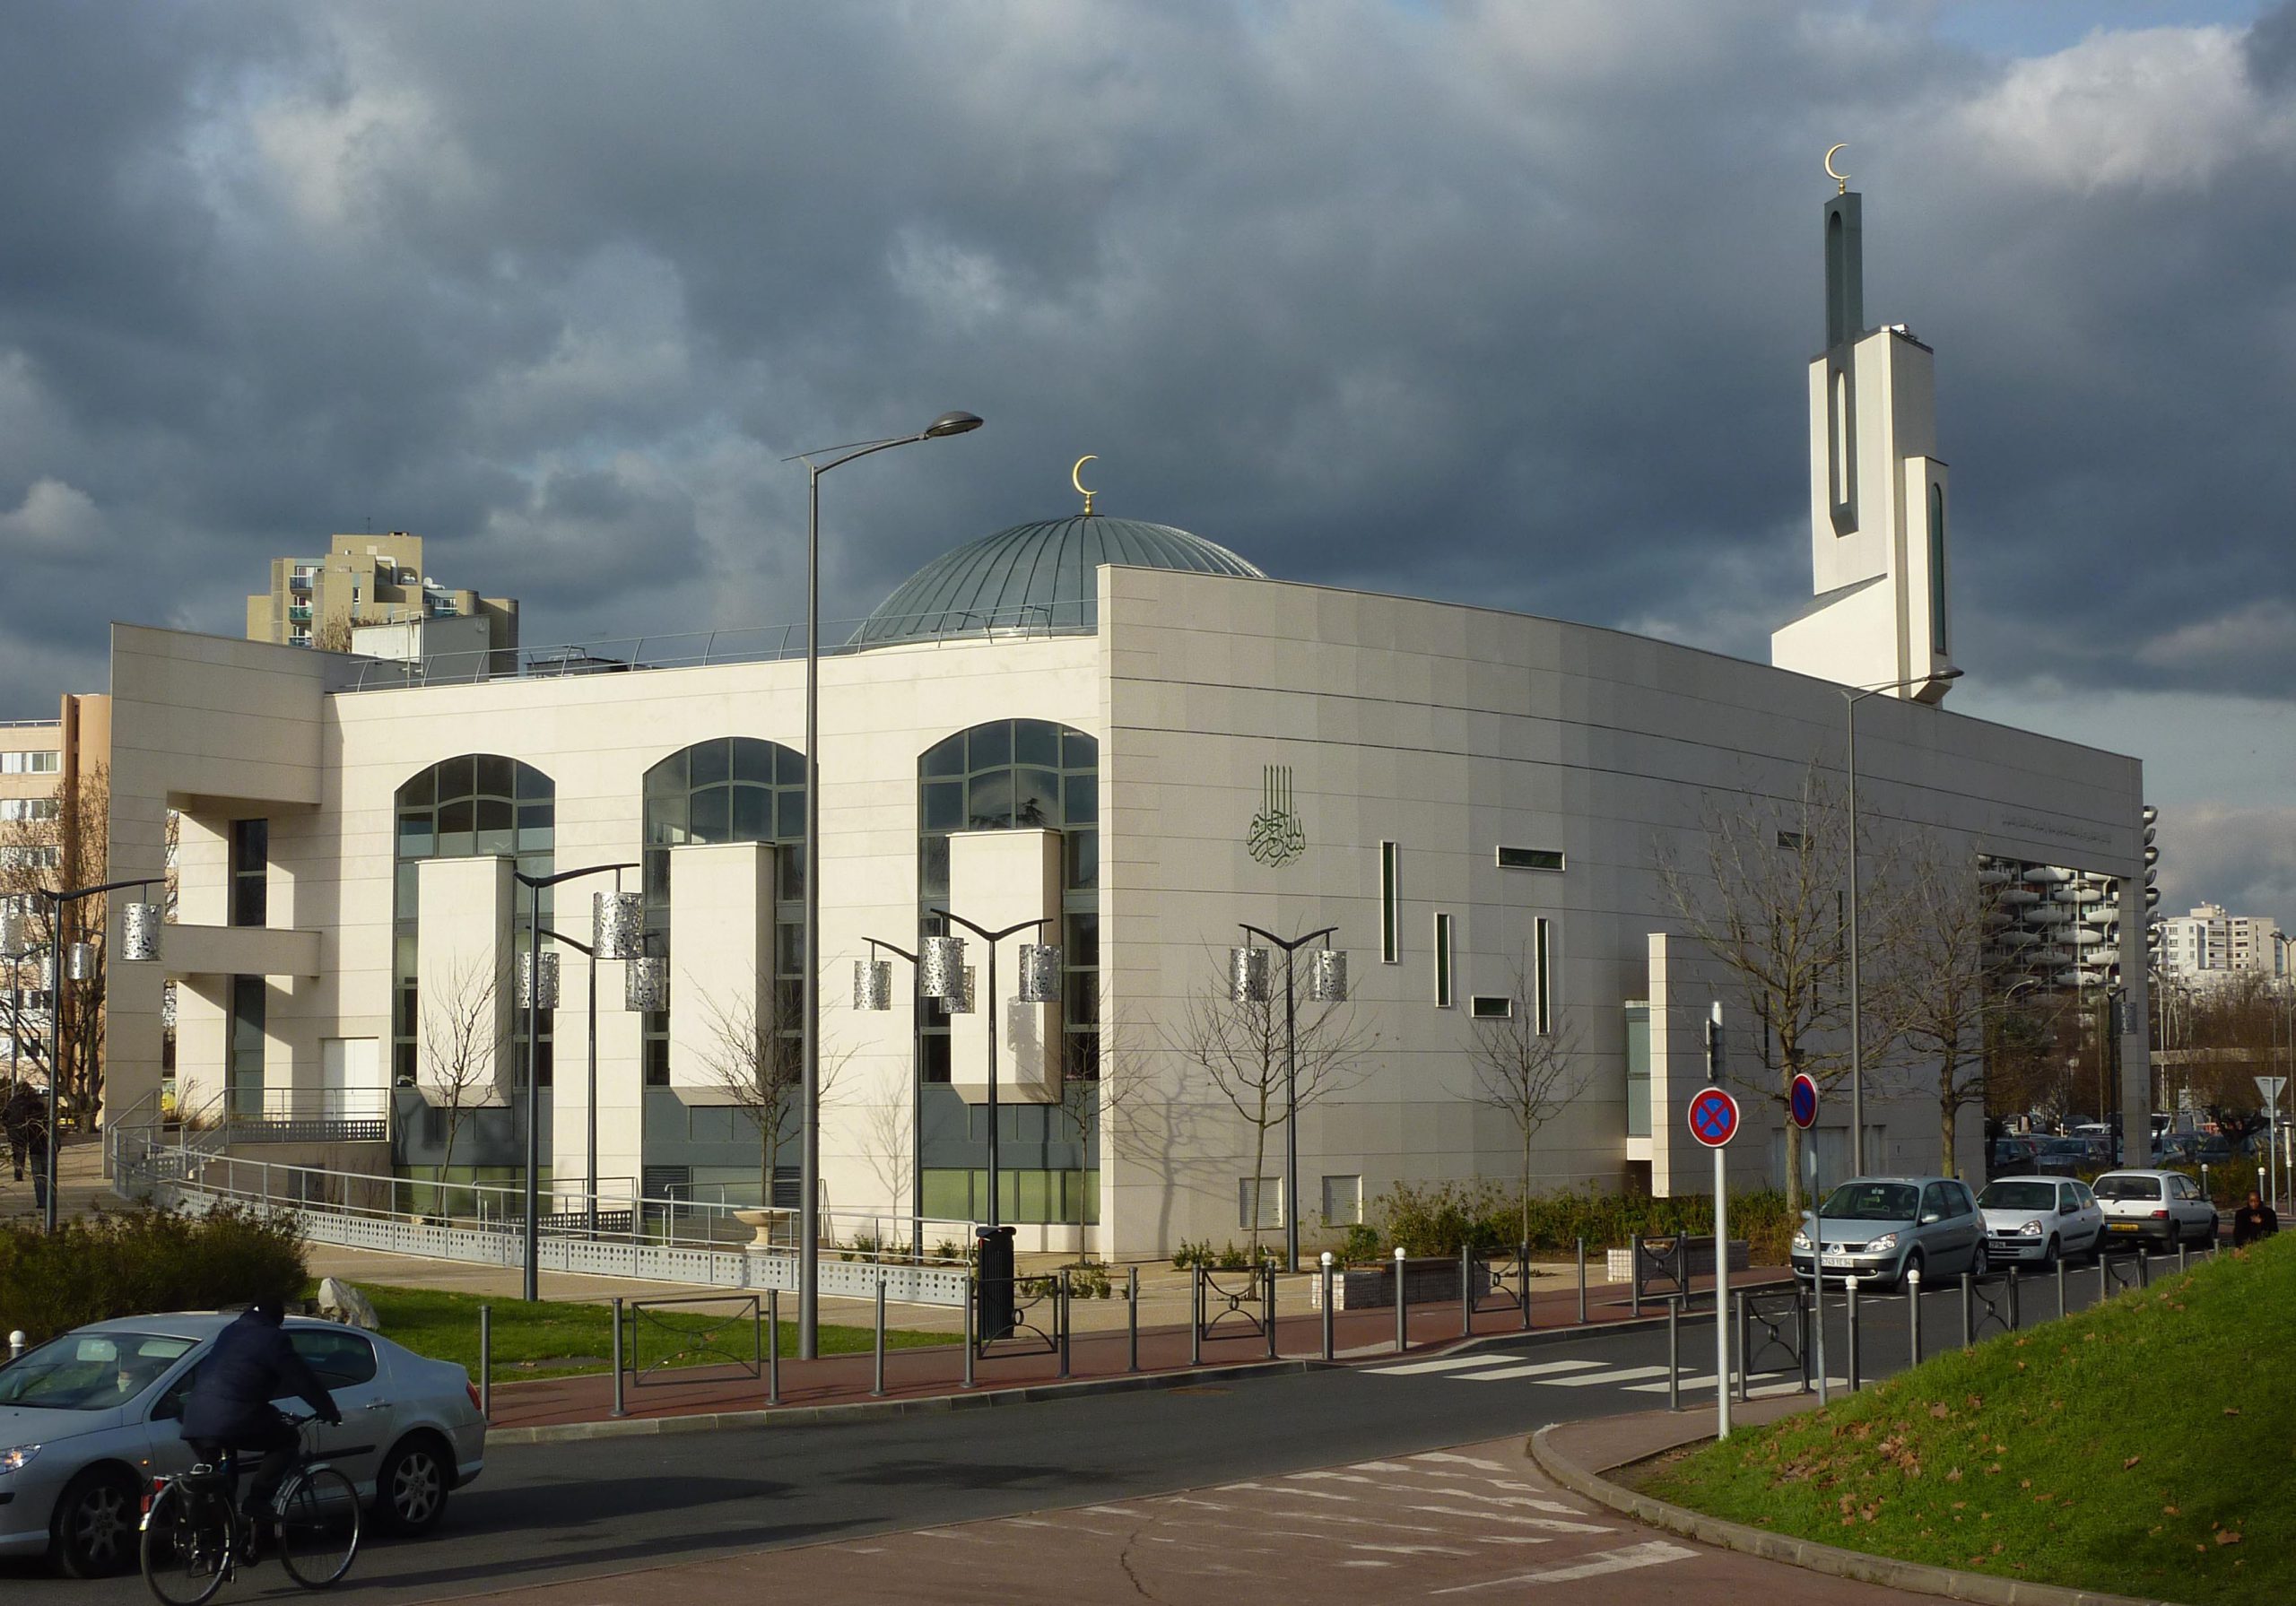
[
  {"x": 1802, "y": 1109},
  {"x": 2268, "y": 1089},
  {"x": 1714, "y": 1122}
]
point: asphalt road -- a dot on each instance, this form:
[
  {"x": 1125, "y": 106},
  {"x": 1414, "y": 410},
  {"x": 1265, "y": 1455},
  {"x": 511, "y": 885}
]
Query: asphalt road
[{"x": 560, "y": 1512}]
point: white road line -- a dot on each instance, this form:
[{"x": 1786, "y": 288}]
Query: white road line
[
  {"x": 1115, "y": 1511},
  {"x": 1588, "y": 1379},
  {"x": 1543, "y": 1368},
  {"x": 1532, "y": 1501},
  {"x": 1764, "y": 1383},
  {"x": 1471, "y": 1461},
  {"x": 1654, "y": 1554},
  {"x": 1546, "y": 1524},
  {"x": 1414, "y": 1550},
  {"x": 1417, "y": 1368},
  {"x": 1297, "y": 1494}
]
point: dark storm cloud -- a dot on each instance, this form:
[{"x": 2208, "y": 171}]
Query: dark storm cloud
[{"x": 1481, "y": 301}]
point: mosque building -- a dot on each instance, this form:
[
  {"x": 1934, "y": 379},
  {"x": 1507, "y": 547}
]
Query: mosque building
[{"x": 1129, "y": 742}]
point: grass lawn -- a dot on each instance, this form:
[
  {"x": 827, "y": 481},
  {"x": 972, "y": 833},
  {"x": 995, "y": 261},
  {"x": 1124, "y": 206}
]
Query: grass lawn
[
  {"x": 553, "y": 1338},
  {"x": 2145, "y": 1447}
]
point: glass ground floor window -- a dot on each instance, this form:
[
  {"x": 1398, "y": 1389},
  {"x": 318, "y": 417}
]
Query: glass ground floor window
[{"x": 1073, "y": 1197}]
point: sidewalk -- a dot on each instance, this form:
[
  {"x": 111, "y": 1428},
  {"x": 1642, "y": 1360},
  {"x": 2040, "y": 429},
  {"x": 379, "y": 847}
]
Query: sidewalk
[{"x": 1098, "y": 1357}]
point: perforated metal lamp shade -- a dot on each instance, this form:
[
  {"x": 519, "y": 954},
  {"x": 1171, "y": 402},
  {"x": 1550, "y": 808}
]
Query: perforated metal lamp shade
[
  {"x": 1247, "y": 971},
  {"x": 139, "y": 932},
  {"x": 80, "y": 961},
  {"x": 1039, "y": 973},
  {"x": 1327, "y": 976},
  {"x": 873, "y": 983},
  {"x": 617, "y": 924},
  {"x": 961, "y": 1003},
  {"x": 527, "y": 989},
  {"x": 646, "y": 983},
  {"x": 939, "y": 968}
]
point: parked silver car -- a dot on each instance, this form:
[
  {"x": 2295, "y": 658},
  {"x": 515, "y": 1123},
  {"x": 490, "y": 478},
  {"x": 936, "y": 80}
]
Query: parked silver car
[
  {"x": 1877, "y": 1228},
  {"x": 2156, "y": 1209},
  {"x": 2039, "y": 1219},
  {"x": 88, "y": 1419}
]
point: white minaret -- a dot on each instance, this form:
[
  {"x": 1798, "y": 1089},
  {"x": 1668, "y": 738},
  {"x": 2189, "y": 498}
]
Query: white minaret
[{"x": 1878, "y": 569}]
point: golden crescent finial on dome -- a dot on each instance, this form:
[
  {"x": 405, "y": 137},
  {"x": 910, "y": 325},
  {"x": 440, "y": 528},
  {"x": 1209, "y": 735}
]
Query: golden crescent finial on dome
[
  {"x": 1841, "y": 180},
  {"x": 1076, "y": 478}
]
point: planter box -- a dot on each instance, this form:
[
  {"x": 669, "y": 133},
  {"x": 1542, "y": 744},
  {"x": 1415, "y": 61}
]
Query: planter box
[{"x": 1432, "y": 1280}]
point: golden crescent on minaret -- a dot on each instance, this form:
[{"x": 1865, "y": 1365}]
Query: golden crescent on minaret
[
  {"x": 1076, "y": 478},
  {"x": 1841, "y": 179}
]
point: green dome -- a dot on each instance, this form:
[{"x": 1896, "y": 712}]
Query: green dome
[{"x": 1036, "y": 578}]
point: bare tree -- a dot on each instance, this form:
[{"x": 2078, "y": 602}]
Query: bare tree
[
  {"x": 760, "y": 1072},
  {"x": 1241, "y": 1047},
  {"x": 333, "y": 634},
  {"x": 1767, "y": 903},
  {"x": 70, "y": 848},
  {"x": 893, "y": 1137},
  {"x": 1527, "y": 1074},
  {"x": 1932, "y": 982},
  {"x": 461, "y": 1046}
]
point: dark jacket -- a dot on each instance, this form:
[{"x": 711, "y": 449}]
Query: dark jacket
[
  {"x": 251, "y": 1364},
  {"x": 2251, "y": 1226}
]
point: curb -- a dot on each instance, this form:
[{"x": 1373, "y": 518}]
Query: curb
[
  {"x": 871, "y": 1411},
  {"x": 1919, "y": 1577}
]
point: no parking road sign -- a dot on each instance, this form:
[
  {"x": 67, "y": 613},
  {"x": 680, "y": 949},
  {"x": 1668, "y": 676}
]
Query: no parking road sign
[
  {"x": 1803, "y": 1107},
  {"x": 1713, "y": 1118}
]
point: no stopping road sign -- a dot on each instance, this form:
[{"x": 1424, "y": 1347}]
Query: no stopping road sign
[{"x": 1713, "y": 1118}]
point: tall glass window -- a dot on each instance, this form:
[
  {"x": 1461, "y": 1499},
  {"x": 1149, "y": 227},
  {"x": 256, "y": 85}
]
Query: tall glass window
[
  {"x": 728, "y": 789},
  {"x": 461, "y": 807},
  {"x": 243, "y": 1071},
  {"x": 1390, "y": 902},
  {"x": 1937, "y": 569},
  {"x": 251, "y": 872},
  {"x": 1442, "y": 961}
]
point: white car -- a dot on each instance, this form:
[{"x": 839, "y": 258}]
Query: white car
[
  {"x": 2157, "y": 1210},
  {"x": 87, "y": 1421},
  {"x": 2040, "y": 1219}
]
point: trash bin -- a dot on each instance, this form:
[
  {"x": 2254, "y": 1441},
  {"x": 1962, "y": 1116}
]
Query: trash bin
[{"x": 995, "y": 1260}]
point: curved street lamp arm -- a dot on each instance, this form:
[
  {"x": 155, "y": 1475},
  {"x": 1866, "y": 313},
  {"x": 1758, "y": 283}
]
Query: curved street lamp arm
[
  {"x": 985, "y": 934},
  {"x": 1293, "y": 944}
]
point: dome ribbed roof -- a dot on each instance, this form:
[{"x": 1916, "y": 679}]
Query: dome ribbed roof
[{"x": 1036, "y": 578}]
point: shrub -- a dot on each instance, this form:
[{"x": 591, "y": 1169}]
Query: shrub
[
  {"x": 1191, "y": 1254},
  {"x": 1442, "y": 1218},
  {"x": 1361, "y": 1244},
  {"x": 142, "y": 1261}
]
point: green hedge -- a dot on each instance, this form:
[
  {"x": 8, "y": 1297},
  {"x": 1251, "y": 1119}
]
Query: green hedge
[
  {"x": 1443, "y": 1218},
  {"x": 142, "y": 1261}
]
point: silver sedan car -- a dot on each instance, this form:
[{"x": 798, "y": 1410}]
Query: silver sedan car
[
  {"x": 1874, "y": 1229},
  {"x": 2040, "y": 1218},
  {"x": 88, "y": 1419}
]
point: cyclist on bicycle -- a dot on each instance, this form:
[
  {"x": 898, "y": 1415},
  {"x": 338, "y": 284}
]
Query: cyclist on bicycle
[{"x": 229, "y": 1409}]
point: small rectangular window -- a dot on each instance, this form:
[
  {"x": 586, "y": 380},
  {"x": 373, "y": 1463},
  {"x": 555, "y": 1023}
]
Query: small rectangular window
[
  {"x": 1530, "y": 859},
  {"x": 1268, "y": 1193},
  {"x": 1390, "y": 897},
  {"x": 1442, "y": 961},
  {"x": 1542, "y": 978},
  {"x": 1342, "y": 1201},
  {"x": 1794, "y": 841},
  {"x": 1489, "y": 1006}
]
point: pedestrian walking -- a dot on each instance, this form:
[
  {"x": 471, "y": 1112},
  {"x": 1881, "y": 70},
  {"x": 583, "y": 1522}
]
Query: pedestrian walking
[{"x": 2254, "y": 1222}]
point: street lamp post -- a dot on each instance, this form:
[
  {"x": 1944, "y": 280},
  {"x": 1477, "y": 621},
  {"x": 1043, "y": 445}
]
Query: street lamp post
[
  {"x": 873, "y": 990},
  {"x": 1852, "y": 696},
  {"x": 947, "y": 972},
  {"x": 534, "y": 885},
  {"x": 589, "y": 952},
  {"x": 140, "y": 941},
  {"x": 1248, "y": 984},
  {"x": 809, "y": 1251}
]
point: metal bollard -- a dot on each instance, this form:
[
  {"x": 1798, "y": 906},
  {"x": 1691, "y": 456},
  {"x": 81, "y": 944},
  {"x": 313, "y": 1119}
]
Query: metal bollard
[
  {"x": 486, "y": 1358},
  {"x": 1582, "y": 1282},
  {"x": 1968, "y": 1309},
  {"x": 2144, "y": 1267},
  {"x": 619, "y": 1408},
  {"x": 1675, "y": 1352},
  {"x": 2182, "y": 1263},
  {"x": 2104, "y": 1279},
  {"x": 1402, "y": 1306},
  {"x": 1466, "y": 1290},
  {"x": 1324, "y": 1271},
  {"x": 2060, "y": 1288},
  {"x": 16, "y": 1341},
  {"x": 1196, "y": 1317},
  {"x": 1634, "y": 1275},
  {"x": 1060, "y": 1314},
  {"x": 2016, "y": 1302},
  {"x": 1738, "y": 1297},
  {"x": 1913, "y": 1316},
  {"x": 1267, "y": 1305},
  {"x": 877, "y": 1376},
  {"x": 773, "y": 1346},
  {"x": 1850, "y": 1302},
  {"x": 969, "y": 1327},
  {"x": 1132, "y": 1317},
  {"x": 1523, "y": 1271}
]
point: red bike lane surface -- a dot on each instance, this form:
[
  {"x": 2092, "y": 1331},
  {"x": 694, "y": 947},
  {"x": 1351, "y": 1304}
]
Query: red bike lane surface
[
  {"x": 1478, "y": 1523},
  {"x": 927, "y": 1373}
]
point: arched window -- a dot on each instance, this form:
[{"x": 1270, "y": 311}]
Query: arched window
[
  {"x": 473, "y": 805},
  {"x": 1937, "y": 569},
  {"x": 727, "y": 789},
  {"x": 1002, "y": 776}
]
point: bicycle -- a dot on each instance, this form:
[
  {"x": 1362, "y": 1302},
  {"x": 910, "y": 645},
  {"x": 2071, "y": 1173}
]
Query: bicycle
[{"x": 196, "y": 1539}]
